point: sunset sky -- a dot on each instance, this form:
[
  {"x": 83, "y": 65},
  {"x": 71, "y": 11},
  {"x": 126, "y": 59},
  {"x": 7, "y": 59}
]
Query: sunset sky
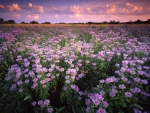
[{"x": 56, "y": 11}]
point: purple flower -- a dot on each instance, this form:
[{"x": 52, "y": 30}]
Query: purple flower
[
  {"x": 87, "y": 61},
  {"x": 87, "y": 102},
  {"x": 65, "y": 88},
  {"x": 42, "y": 105},
  {"x": 40, "y": 102},
  {"x": 105, "y": 104},
  {"x": 35, "y": 80},
  {"x": 124, "y": 79},
  {"x": 101, "y": 110},
  {"x": 88, "y": 109},
  {"x": 13, "y": 86},
  {"x": 34, "y": 85},
  {"x": 111, "y": 79},
  {"x": 50, "y": 110},
  {"x": 102, "y": 81},
  {"x": 26, "y": 75},
  {"x": 67, "y": 81},
  {"x": 46, "y": 101},
  {"x": 33, "y": 103},
  {"x": 39, "y": 76},
  {"x": 26, "y": 81},
  {"x": 19, "y": 83},
  {"x": 67, "y": 77},
  {"x": 20, "y": 90},
  {"x": 135, "y": 90},
  {"x": 122, "y": 86},
  {"x": 128, "y": 94},
  {"x": 144, "y": 81},
  {"x": 137, "y": 79},
  {"x": 74, "y": 87}
]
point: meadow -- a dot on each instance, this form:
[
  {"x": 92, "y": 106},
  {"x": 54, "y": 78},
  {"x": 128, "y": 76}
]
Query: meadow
[{"x": 74, "y": 68}]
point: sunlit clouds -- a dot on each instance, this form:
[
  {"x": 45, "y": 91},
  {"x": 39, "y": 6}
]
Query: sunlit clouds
[
  {"x": 34, "y": 8},
  {"x": 34, "y": 16},
  {"x": 16, "y": 15}
]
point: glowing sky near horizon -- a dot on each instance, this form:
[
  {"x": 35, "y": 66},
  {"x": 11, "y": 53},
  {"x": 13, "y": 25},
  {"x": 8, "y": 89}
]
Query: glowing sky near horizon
[{"x": 67, "y": 11}]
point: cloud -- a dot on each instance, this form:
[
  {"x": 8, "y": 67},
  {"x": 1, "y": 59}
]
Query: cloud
[
  {"x": 2, "y": 6},
  {"x": 13, "y": 7},
  {"x": 134, "y": 8},
  {"x": 10, "y": 8},
  {"x": 54, "y": 10},
  {"x": 56, "y": 15},
  {"x": 34, "y": 16},
  {"x": 16, "y": 15},
  {"x": 35, "y": 8}
]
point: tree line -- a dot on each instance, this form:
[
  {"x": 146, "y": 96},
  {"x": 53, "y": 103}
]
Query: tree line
[{"x": 2, "y": 21}]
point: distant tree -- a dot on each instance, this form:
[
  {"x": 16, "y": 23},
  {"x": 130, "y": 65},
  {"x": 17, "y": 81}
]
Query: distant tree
[
  {"x": 9, "y": 22},
  {"x": 138, "y": 22},
  {"x": 89, "y": 23},
  {"x": 34, "y": 22},
  {"x": 114, "y": 22},
  {"x": 1, "y": 20},
  {"x": 105, "y": 22},
  {"x": 46, "y": 23},
  {"x": 62, "y": 23},
  {"x": 148, "y": 21},
  {"x": 22, "y": 22}
]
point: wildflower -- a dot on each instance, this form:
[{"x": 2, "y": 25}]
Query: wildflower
[
  {"x": 124, "y": 79},
  {"x": 135, "y": 90},
  {"x": 102, "y": 81},
  {"x": 105, "y": 104},
  {"x": 128, "y": 94},
  {"x": 13, "y": 86},
  {"x": 137, "y": 79},
  {"x": 50, "y": 110},
  {"x": 94, "y": 63},
  {"x": 46, "y": 102},
  {"x": 26, "y": 81},
  {"x": 39, "y": 76},
  {"x": 87, "y": 61},
  {"x": 101, "y": 110},
  {"x": 65, "y": 88},
  {"x": 122, "y": 86},
  {"x": 87, "y": 102},
  {"x": 88, "y": 109},
  {"x": 19, "y": 83},
  {"x": 67, "y": 77},
  {"x": 33, "y": 103},
  {"x": 26, "y": 75},
  {"x": 35, "y": 80},
  {"x": 111, "y": 79},
  {"x": 42, "y": 105},
  {"x": 40, "y": 102},
  {"x": 67, "y": 81},
  {"x": 20, "y": 90},
  {"x": 34, "y": 85}
]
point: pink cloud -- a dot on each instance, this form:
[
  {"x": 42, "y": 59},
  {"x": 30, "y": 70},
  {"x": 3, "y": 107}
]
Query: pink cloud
[
  {"x": 2, "y": 6},
  {"x": 133, "y": 7},
  {"x": 13, "y": 7},
  {"x": 16, "y": 15},
  {"x": 34, "y": 16},
  {"x": 10, "y": 8},
  {"x": 54, "y": 10},
  {"x": 36, "y": 8}
]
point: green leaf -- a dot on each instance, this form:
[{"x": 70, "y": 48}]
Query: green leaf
[
  {"x": 27, "y": 98},
  {"x": 136, "y": 105}
]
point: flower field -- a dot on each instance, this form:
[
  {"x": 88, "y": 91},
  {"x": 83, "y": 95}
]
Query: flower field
[{"x": 75, "y": 69}]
